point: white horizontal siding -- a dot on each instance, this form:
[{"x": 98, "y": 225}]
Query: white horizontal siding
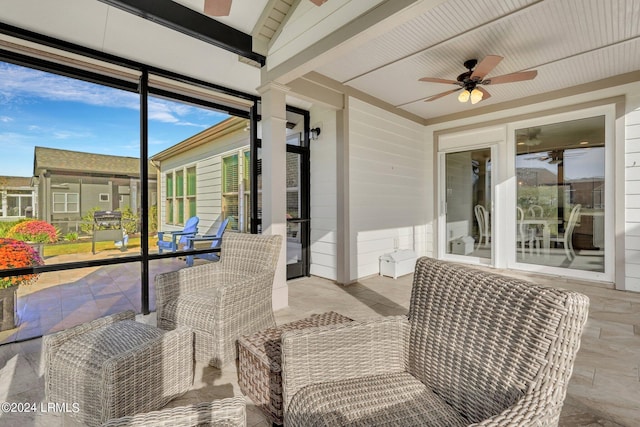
[
  {"x": 388, "y": 185},
  {"x": 208, "y": 161},
  {"x": 324, "y": 196}
]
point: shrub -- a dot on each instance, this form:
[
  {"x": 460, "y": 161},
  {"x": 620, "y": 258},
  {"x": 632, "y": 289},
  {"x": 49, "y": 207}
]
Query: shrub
[
  {"x": 71, "y": 236},
  {"x": 87, "y": 220},
  {"x": 129, "y": 220},
  {"x": 5, "y": 226},
  {"x": 34, "y": 231},
  {"x": 153, "y": 219},
  {"x": 17, "y": 254}
]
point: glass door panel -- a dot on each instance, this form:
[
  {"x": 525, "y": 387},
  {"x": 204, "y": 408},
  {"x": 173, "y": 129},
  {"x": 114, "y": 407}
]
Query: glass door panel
[
  {"x": 298, "y": 201},
  {"x": 468, "y": 203},
  {"x": 560, "y": 171}
]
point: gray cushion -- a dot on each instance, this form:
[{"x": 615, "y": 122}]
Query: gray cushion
[{"x": 396, "y": 399}]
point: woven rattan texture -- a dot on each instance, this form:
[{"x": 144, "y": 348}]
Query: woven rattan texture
[
  {"x": 230, "y": 412},
  {"x": 382, "y": 400},
  {"x": 222, "y": 300},
  {"x": 114, "y": 366},
  {"x": 259, "y": 373},
  {"x": 496, "y": 350}
]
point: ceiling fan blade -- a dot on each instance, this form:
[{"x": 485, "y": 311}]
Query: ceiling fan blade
[
  {"x": 485, "y": 66},
  {"x": 318, "y": 2},
  {"x": 437, "y": 80},
  {"x": 513, "y": 77},
  {"x": 217, "y": 7},
  {"x": 440, "y": 95},
  {"x": 485, "y": 94}
]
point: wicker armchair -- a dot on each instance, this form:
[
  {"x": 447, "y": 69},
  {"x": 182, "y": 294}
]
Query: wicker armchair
[
  {"x": 475, "y": 348},
  {"x": 230, "y": 412},
  {"x": 223, "y": 300}
]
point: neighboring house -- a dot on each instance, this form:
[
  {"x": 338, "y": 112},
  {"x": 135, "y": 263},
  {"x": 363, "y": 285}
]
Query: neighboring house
[
  {"x": 71, "y": 183},
  {"x": 206, "y": 175},
  {"x": 18, "y": 197}
]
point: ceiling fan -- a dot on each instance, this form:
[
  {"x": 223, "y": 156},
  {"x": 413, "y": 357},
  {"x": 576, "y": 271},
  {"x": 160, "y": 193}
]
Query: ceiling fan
[
  {"x": 223, "y": 7},
  {"x": 471, "y": 80}
]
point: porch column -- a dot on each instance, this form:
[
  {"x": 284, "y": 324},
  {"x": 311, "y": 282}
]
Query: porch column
[
  {"x": 274, "y": 181},
  {"x": 346, "y": 245}
]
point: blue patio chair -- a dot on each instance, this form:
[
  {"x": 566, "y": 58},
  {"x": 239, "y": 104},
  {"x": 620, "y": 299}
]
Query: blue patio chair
[
  {"x": 215, "y": 239},
  {"x": 178, "y": 237}
]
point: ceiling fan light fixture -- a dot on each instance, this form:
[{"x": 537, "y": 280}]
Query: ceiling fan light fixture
[
  {"x": 532, "y": 142},
  {"x": 476, "y": 96},
  {"x": 318, "y": 2},
  {"x": 476, "y": 75}
]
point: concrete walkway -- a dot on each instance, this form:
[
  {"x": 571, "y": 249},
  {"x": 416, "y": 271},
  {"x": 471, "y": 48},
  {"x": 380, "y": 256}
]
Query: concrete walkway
[{"x": 603, "y": 391}]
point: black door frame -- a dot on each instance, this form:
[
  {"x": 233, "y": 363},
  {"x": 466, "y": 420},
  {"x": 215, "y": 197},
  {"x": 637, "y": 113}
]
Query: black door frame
[{"x": 299, "y": 269}]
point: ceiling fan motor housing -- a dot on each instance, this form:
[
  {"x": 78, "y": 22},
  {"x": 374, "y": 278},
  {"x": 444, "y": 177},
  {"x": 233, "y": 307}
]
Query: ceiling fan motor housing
[
  {"x": 465, "y": 78},
  {"x": 470, "y": 64}
]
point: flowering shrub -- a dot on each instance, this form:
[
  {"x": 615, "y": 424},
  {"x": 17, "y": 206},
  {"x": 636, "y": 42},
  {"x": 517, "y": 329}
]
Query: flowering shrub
[
  {"x": 34, "y": 231},
  {"x": 16, "y": 254}
]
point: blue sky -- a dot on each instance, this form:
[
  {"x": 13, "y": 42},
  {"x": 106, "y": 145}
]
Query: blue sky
[{"x": 43, "y": 109}]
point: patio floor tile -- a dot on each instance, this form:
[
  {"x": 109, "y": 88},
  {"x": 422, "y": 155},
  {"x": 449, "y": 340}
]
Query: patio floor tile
[{"x": 603, "y": 390}]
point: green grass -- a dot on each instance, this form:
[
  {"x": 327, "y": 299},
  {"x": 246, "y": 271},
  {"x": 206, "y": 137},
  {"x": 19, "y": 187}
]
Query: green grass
[{"x": 84, "y": 246}]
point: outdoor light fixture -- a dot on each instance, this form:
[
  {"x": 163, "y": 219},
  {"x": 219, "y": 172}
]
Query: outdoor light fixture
[{"x": 314, "y": 133}]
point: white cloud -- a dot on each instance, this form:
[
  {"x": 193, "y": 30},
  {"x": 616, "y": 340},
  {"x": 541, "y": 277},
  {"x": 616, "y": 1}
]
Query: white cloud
[
  {"x": 13, "y": 139},
  {"x": 20, "y": 82},
  {"x": 64, "y": 134},
  {"x": 172, "y": 112},
  {"x": 5, "y": 119}
]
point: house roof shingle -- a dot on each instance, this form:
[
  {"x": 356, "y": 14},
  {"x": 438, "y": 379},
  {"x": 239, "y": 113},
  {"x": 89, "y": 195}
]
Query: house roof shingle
[
  {"x": 15, "y": 181},
  {"x": 53, "y": 159}
]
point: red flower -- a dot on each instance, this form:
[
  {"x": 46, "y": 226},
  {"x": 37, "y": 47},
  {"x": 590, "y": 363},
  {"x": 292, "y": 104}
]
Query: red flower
[
  {"x": 34, "y": 231},
  {"x": 17, "y": 254}
]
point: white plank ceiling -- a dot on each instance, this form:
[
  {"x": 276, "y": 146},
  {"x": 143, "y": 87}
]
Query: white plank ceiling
[{"x": 569, "y": 42}]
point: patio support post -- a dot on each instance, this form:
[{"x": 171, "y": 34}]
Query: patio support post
[
  {"x": 346, "y": 256},
  {"x": 274, "y": 183}
]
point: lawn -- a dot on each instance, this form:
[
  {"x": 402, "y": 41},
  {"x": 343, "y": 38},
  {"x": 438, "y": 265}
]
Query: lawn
[{"x": 84, "y": 246}]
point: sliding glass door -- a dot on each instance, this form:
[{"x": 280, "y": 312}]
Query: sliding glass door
[
  {"x": 560, "y": 195},
  {"x": 467, "y": 204}
]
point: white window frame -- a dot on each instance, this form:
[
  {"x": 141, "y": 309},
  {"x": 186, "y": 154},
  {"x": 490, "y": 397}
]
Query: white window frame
[
  {"x": 239, "y": 155},
  {"x": 66, "y": 202},
  {"x": 184, "y": 199},
  {"x": 104, "y": 194},
  {"x": 608, "y": 111},
  {"x": 21, "y": 206}
]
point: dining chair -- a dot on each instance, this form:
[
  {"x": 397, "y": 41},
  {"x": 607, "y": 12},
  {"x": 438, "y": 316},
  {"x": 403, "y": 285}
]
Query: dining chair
[
  {"x": 566, "y": 238},
  {"x": 483, "y": 225},
  {"x": 535, "y": 211},
  {"x": 525, "y": 234}
]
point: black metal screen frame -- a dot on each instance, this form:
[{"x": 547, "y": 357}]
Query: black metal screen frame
[{"x": 143, "y": 90}]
